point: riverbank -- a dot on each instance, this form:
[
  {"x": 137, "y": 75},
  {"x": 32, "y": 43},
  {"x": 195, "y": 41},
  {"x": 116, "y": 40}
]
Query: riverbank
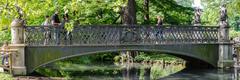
[
  {"x": 38, "y": 78},
  {"x": 6, "y": 76}
]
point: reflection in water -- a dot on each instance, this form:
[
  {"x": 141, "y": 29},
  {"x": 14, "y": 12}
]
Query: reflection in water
[
  {"x": 236, "y": 74},
  {"x": 131, "y": 71},
  {"x": 148, "y": 71}
]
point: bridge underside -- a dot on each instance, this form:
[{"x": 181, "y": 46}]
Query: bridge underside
[{"x": 201, "y": 54}]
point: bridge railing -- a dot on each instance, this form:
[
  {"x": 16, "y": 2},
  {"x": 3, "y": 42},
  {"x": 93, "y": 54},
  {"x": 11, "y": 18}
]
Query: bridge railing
[
  {"x": 8, "y": 55},
  {"x": 120, "y": 35}
]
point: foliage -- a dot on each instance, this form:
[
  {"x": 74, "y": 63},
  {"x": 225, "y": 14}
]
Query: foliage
[
  {"x": 172, "y": 12},
  {"x": 211, "y": 14},
  {"x": 117, "y": 58},
  {"x": 94, "y": 58},
  {"x": 234, "y": 33},
  {"x": 151, "y": 56},
  {"x": 69, "y": 26},
  {"x": 48, "y": 72},
  {"x": 142, "y": 57},
  {"x": 5, "y": 36},
  {"x": 163, "y": 72},
  {"x": 89, "y": 11},
  {"x": 5, "y": 76}
]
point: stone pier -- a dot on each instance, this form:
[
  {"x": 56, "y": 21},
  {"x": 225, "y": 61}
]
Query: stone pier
[
  {"x": 17, "y": 42},
  {"x": 225, "y": 59}
]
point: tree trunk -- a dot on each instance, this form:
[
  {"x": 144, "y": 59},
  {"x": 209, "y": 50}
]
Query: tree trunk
[
  {"x": 129, "y": 15},
  {"x": 146, "y": 11},
  {"x": 122, "y": 14}
]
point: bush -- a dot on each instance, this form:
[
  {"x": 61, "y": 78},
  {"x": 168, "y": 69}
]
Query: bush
[
  {"x": 5, "y": 76},
  {"x": 117, "y": 58}
]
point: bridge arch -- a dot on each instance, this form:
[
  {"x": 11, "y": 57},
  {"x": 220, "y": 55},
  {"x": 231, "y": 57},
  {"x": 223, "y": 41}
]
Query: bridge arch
[{"x": 49, "y": 54}]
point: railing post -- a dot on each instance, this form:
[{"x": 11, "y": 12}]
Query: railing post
[
  {"x": 18, "y": 59},
  {"x": 225, "y": 47}
]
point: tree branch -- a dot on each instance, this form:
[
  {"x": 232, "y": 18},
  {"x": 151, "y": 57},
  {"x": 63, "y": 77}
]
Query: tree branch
[{"x": 115, "y": 21}]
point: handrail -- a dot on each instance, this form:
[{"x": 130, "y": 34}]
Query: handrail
[
  {"x": 132, "y": 26},
  {"x": 8, "y": 50},
  {"x": 120, "y": 34}
]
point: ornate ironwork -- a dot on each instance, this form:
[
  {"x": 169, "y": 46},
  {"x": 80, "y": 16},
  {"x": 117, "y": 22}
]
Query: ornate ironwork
[
  {"x": 197, "y": 16},
  {"x": 121, "y": 35}
]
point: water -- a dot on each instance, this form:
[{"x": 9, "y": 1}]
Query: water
[
  {"x": 136, "y": 72},
  {"x": 205, "y": 74}
]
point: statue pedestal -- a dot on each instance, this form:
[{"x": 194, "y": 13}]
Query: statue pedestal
[{"x": 18, "y": 59}]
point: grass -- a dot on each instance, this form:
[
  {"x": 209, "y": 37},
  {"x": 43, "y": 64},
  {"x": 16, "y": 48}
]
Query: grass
[{"x": 5, "y": 76}]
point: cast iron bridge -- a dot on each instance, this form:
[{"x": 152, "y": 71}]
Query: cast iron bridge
[{"x": 196, "y": 44}]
